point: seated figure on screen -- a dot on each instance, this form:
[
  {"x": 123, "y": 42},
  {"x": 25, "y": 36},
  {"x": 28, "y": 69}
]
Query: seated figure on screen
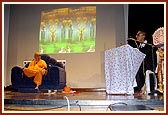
[
  {"x": 149, "y": 62},
  {"x": 36, "y": 69},
  {"x": 63, "y": 50},
  {"x": 91, "y": 49},
  {"x": 68, "y": 49}
]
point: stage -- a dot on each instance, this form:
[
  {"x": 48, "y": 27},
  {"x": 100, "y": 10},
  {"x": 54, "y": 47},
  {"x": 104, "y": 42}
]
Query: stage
[{"x": 78, "y": 101}]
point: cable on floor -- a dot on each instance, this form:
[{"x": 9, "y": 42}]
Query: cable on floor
[
  {"x": 67, "y": 102},
  {"x": 56, "y": 107},
  {"x": 50, "y": 108},
  {"x": 119, "y": 103},
  {"x": 77, "y": 103}
]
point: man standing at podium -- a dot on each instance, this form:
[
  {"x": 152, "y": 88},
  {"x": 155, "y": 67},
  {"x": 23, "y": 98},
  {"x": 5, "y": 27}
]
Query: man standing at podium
[{"x": 149, "y": 62}]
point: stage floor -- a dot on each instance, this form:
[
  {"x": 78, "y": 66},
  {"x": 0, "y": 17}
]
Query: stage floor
[{"x": 79, "y": 101}]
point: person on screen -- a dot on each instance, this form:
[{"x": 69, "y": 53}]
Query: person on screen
[
  {"x": 41, "y": 50},
  {"x": 91, "y": 49},
  {"x": 81, "y": 33},
  {"x": 148, "y": 64},
  {"x": 68, "y": 49},
  {"x": 63, "y": 50},
  {"x": 36, "y": 68}
]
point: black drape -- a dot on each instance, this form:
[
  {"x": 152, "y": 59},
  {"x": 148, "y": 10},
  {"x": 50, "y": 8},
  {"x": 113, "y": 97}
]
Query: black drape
[{"x": 149, "y": 63}]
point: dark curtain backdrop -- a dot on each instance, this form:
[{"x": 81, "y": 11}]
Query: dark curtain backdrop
[{"x": 145, "y": 17}]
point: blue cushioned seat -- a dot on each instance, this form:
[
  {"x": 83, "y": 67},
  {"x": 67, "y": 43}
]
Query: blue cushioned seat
[{"x": 54, "y": 80}]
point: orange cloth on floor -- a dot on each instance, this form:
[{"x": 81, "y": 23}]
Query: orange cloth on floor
[{"x": 37, "y": 70}]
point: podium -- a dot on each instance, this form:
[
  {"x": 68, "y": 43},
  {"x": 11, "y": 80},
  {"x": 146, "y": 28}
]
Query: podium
[{"x": 121, "y": 66}]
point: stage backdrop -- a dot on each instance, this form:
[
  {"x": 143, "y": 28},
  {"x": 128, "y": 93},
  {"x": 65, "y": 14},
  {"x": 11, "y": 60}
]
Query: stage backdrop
[
  {"x": 68, "y": 30},
  {"x": 84, "y": 70}
]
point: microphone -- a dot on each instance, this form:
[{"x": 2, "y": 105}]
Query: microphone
[
  {"x": 140, "y": 42},
  {"x": 131, "y": 39}
]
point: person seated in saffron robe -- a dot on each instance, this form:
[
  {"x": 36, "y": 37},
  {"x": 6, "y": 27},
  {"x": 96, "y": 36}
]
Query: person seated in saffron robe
[{"x": 36, "y": 69}]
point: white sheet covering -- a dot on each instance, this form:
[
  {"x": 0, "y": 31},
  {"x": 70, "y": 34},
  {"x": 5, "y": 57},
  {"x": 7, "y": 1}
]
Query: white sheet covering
[{"x": 121, "y": 65}]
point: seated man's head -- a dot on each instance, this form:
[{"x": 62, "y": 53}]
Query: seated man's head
[
  {"x": 37, "y": 56},
  {"x": 141, "y": 36}
]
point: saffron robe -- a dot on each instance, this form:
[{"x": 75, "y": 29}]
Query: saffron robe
[{"x": 36, "y": 70}]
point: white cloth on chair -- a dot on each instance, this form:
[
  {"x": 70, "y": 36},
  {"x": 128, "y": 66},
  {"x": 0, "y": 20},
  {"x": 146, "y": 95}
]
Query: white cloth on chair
[
  {"x": 147, "y": 81},
  {"x": 121, "y": 65}
]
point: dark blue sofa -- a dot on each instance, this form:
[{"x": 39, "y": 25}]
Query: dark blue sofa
[{"x": 54, "y": 80}]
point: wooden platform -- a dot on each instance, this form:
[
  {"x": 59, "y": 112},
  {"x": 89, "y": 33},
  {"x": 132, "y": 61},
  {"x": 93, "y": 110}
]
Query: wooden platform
[{"x": 78, "y": 101}]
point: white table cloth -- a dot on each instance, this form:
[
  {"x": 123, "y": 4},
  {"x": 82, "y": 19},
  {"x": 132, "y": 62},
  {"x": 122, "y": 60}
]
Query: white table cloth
[{"x": 121, "y": 65}]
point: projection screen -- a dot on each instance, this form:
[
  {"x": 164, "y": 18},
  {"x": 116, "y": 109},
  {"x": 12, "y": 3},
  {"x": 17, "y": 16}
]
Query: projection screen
[{"x": 68, "y": 30}]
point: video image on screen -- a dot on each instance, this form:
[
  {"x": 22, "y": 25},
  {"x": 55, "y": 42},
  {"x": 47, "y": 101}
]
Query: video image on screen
[{"x": 68, "y": 30}]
